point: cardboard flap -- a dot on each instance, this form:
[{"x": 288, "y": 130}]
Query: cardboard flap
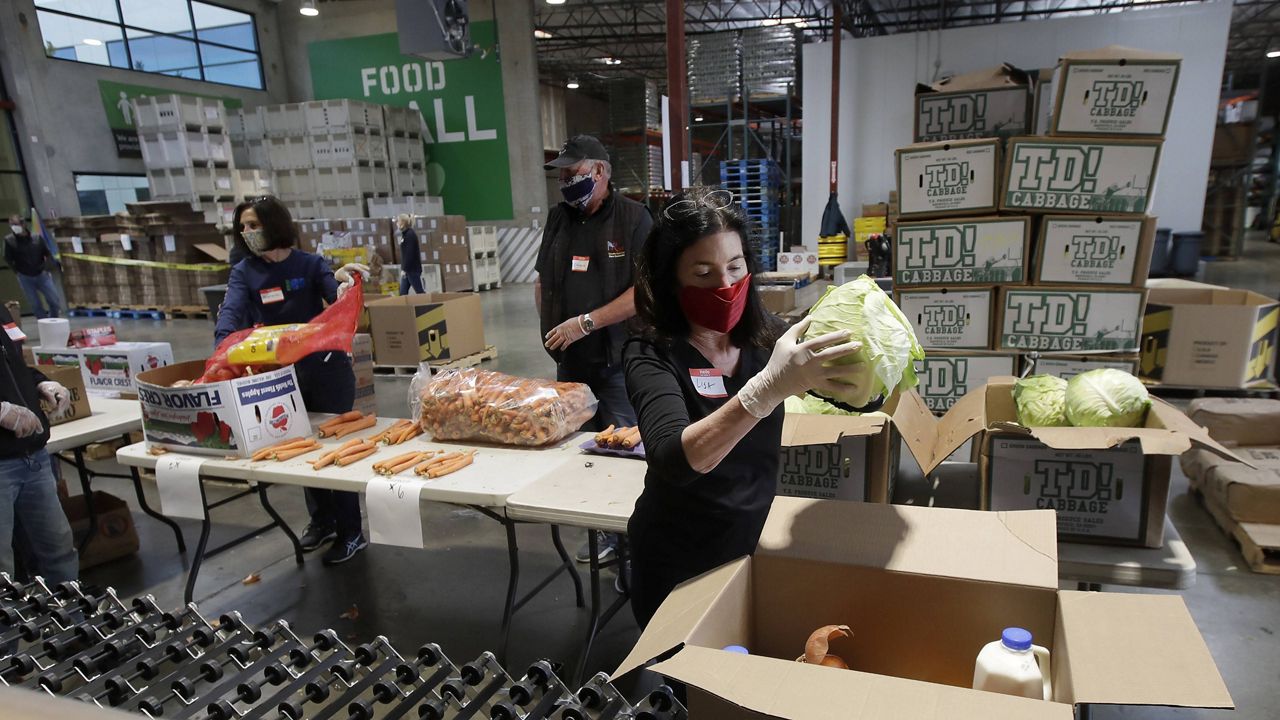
[
  {"x": 1119, "y": 52},
  {"x": 804, "y": 429},
  {"x": 216, "y": 251},
  {"x": 1175, "y": 420},
  {"x": 680, "y": 614},
  {"x": 1018, "y": 548},
  {"x": 1154, "y": 441},
  {"x": 918, "y": 426},
  {"x": 1129, "y": 649},
  {"x": 990, "y": 78},
  {"x": 783, "y": 689},
  {"x": 965, "y": 419}
]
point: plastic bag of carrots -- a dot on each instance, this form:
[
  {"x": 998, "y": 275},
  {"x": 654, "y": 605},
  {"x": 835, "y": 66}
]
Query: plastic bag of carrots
[
  {"x": 475, "y": 404},
  {"x": 269, "y": 347}
]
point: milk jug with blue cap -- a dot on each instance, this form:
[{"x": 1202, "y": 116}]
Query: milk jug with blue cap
[{"x": 1013, "y": 666}]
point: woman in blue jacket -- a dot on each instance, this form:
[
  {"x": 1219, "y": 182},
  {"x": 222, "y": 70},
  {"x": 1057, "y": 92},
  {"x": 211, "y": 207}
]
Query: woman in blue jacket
[{"x": 276, "y": 284}]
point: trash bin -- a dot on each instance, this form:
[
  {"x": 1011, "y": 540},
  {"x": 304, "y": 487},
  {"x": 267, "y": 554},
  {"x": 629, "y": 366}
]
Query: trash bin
[
  {"x": 213, "y": 295},
  {"x": 1160, "y": 253},
  {"x": 1186, "y": 253}
]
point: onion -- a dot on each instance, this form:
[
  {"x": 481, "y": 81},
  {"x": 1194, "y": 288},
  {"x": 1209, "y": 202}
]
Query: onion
[{"x": 815, "y": 650}]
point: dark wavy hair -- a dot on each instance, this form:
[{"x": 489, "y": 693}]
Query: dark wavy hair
[
  {"x": 277, "y": 223},
  {"x": 689, "y": 217}
]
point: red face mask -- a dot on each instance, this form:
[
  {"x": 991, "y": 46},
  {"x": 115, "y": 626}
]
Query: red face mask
[{"x": 717, "y": 309}]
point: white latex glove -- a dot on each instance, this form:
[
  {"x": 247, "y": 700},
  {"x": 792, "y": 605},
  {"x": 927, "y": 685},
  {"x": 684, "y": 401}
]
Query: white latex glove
[
  {"x": 345, "y": 276},
  {"x": 796, "y": 367},
  {"x": 565, "y": 334},
  {"x": 55, "y": 394},
  {"x": 19, "y": 420}
]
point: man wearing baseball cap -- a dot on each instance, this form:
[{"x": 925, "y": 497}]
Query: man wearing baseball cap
[{"x": 584, "y": 287}]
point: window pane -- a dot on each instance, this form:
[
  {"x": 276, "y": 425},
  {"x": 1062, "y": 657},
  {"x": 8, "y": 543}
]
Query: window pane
[
  {"x": 82, "y": 40},
  {"x": 96, "y": 9},
  {"x": 13, "y": 195},
  {"x": 168, "y": 16},
  {"x": 221, "y": 25},
  {"x": 230, "y": 66},
  {"x": 8, "y": 153},
  {"x": 164, "y": 54},
  {"x": 108, "y": 194}
]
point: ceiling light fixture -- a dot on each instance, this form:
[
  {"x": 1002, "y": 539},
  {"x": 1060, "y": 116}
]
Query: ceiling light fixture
[
  {"x": 1273, "y": 54},
  {"x": 697, "y": 118},
  {"x": 92, "y": 41},
  {"x": 541, "y": 34},
  {"x": 308, "y": 8},
  {"x": 609, "y": 60},
  {"x": 555, "y": 2},
  {"x": 572, "y": 84}
]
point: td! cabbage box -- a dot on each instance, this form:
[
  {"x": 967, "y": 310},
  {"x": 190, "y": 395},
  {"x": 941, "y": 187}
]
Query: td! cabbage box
[{"x": 233, "y": 417}]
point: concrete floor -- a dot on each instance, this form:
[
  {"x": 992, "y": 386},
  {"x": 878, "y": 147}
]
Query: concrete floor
[{"x": 452, "y": 593}]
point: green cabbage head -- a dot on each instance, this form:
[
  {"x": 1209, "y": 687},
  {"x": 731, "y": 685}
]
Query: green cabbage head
[
  {"x": 889, "y": 345},
  {"x": 1107, "y": 397},
  {"x": 1041, "y": 401}
]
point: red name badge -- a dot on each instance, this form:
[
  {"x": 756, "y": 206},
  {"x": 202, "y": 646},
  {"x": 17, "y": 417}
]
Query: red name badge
[
  {"x": 15, "y": 332},
  {"x": 580, "y": 263},
  {"x": 708, "y": 382},
  {"x": 271, "y": 295}
]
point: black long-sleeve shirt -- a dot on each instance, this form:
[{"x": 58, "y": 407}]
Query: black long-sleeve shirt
[
  {"x": 410, "y": 252},
  {"x": 26, "y": 254},
  {"x": 661, "y": 386},
  {"x": 18, "y": 385}
]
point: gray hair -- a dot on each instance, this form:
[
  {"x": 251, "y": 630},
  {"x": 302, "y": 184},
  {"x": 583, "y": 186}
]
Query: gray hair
[{"x": 605, "y": 166}]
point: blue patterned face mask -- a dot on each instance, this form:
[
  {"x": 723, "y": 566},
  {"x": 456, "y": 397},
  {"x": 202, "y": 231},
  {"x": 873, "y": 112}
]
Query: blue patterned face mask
[{"x": 577, "y": 191}]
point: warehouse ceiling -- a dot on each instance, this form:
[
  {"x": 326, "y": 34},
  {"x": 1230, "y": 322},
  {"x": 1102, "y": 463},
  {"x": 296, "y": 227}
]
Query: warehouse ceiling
[{"x": 594, "y": 41}]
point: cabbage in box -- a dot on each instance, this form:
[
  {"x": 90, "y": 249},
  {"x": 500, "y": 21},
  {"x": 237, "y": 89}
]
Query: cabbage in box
[{"x": 235, "y": 417}]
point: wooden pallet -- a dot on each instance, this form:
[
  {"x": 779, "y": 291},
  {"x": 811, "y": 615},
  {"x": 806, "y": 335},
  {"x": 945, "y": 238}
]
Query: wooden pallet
[
  {"x": 1259, "y": 543},
  {"x": 489, "y": 353},
  {"x": 199, "y": 312},
  {"x": 485, "y": 287}
]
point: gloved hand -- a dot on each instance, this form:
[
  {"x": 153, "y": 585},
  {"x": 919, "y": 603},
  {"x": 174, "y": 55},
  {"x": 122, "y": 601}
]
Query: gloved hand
[
  {"x": 19, "y": 420},
  {"x": 796, "y": 367},
  {"x": 566, "y": 333},
  {"x": 345, "y": 276},
  {"x": 55, "y": 394}
]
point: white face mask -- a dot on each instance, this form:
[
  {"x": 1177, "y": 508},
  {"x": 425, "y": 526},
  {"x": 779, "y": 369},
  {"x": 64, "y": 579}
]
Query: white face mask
[
  {"x": 256, "y": 242},
  {"x": 17, "y": 229}
]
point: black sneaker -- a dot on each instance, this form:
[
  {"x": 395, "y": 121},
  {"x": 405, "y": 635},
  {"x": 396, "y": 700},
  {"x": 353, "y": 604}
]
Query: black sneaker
[
  {"x": 606, "y": 548},
  {"x": 343, "y": 550},
  {"x": 316, "y": 535}
]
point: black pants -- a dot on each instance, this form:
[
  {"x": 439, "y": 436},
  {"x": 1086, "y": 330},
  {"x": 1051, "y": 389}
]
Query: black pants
[
  {"x": 329, "y": 386},
  {"x": 670, "y": 545}
]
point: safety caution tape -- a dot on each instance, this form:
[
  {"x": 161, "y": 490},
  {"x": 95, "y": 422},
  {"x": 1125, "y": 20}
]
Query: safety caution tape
[{"x": 209, "y": 267}]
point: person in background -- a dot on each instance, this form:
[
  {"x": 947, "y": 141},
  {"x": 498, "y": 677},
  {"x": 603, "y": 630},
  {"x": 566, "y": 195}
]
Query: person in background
[
  {"x": 708, "y": 373},
  {"x": 410, "y": 256},
  {"x": 28, "y": 489},
  {"x": 29, "y": 257},
  {"x": 583, "y": 289},
  {"x": 239, "y": 251},
  {"x": 276, "y": 285}
]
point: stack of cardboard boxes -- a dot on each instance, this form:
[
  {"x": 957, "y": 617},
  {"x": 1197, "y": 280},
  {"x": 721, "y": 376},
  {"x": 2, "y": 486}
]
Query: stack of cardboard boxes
[
  {"x": 446, "y": 251},
  {"x": 362, "y": 365},
  {"x": 1016, "y": 248}
]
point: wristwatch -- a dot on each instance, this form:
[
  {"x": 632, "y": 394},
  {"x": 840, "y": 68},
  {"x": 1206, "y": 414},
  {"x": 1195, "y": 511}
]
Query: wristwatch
[{"x": 588, "y": 324}]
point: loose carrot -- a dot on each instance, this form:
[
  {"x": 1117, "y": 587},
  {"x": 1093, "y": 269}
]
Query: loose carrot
[
  {"x": 345, "y": 417},
  {"x": 445, "y": 458},
  {"x": 451, "y": 467},
  {"x": 296, "y": 452},
  {"x": 345, "y": 430},
  {"x": 602, "y": 437},
  {"x": 395, "y": 460},
  {"x": 358, "y": 447},
  {"x": 266, "y": 452},
  {"x": 325, "y": 461},
  {"x": 398, "y": 468},
  {"x": 345, "y": 461}
]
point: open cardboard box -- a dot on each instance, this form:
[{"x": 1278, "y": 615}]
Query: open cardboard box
[
  {"x": 1108, "y": 485},
  {"x": 1209, "y": 338},
  {"x": 923, "y": 590},
  {"x": 993, "y": 102}
]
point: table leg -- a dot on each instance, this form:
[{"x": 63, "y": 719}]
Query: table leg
[
  {"x": 146, "y": 508},
  {"x": 279, "y": 521},
  {"x": 567, "y": 562},
  {"x": 594, "y": 625},
  {"x": 1085, "y": 712},
  {"x": 88, "y": 498},
  {"x": 205, "y": 527},
  {"x": 513, "y": 582}
]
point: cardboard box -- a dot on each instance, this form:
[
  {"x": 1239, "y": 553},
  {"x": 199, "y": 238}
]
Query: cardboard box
[
  {"x": 1069, "y": 366},
  {"x": 116, "y": 535},
  {"x": 778, "y": 299},
  {"x": 959, "y": 177},
  {"x": 798, "y": 262},
  {"x": 1115, "y": 91},
  {"x": 949, "y": 319},
  {"x": 1238, "y": 421},
  {"x": 233, "y": 417},
  {"x": 923, "y": 590},
  {"x": 1069, "y": 320},
  {"x": 844, "y": 457},
  {"x": 1108, "y": 485},
  {"x": 1066, "y": 175},
  {"x": 366, "y": 400},
  {"x": 945, "y": 377},
  {"x": 456, "y": 277},
  {"x": 362, "y": 326},
  {"x": 1247, "y": 494},
  {"x": 1076, "y": 250},
  {"x": 1209, "y": 338},
  {"x": 1042, "y": 102},
  {"x": 978, "y": 251},
  {"x": 432, "y": 279},
  {"x": 995, "y": 102},
  {"x": 411, "y": 329},
  {"x": 73, "y": 380},
  {"x": 109, "y": 369}
]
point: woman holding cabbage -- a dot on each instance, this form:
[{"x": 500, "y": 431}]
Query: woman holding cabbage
[
  {"x": 276, "y": 284},
  {"x": 707, "y": 375}
]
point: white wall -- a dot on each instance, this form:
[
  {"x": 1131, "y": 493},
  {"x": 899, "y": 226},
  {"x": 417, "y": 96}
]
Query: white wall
[{"x": 879, "y": 75}]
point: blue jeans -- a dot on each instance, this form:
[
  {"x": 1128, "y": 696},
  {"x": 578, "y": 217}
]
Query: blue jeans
[
  {"x": 41, "y": 292},
  {"x": 411, "y": 281},
  {"x": 29, "y": 493},
  {"x": 610, "y": 388}
]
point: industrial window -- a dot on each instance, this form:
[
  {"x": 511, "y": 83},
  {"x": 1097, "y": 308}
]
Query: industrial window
[
  {"x": 182, "y": 38},
  {"x": 108, "y": 194}
]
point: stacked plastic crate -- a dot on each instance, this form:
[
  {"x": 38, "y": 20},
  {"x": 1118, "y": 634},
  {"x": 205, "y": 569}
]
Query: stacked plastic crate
[
  {"x": 770, "y": 61},
  {"x": 349, "y": 153},
  {"x": 405, "y": 152},
  {"x": 634, "y": 120},
  {"x": 714, "y": 62},
  {"x": 186, "y": 151},
  {"x": 756, "y": 186}
]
